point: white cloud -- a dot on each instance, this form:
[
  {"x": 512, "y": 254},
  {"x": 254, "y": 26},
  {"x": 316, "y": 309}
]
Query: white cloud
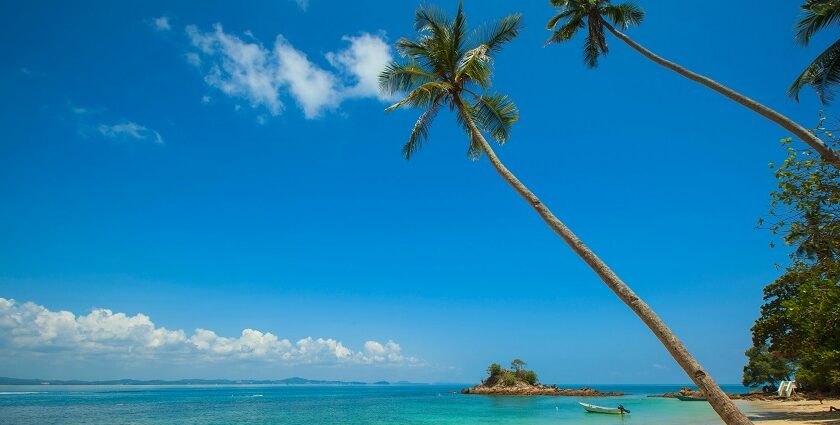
[
  {"x": 129, "y": 130},
  {"x": 239, "y": 69},
  {"x": 303, "y": 4},
  {"x": 313, "y": 88},
  {"x": 99, "y": 122},
  {"x": 31, "y": 328},
  {"x": 246, "y": 69},
  {"x": 364, "y": 60},
  {"x": 162, "y": 23}
]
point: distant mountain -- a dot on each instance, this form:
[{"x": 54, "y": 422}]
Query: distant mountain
[{"x": 287, "y": 381}]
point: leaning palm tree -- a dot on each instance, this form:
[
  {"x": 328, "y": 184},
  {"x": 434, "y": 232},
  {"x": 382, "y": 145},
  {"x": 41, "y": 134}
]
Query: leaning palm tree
[
  {"x": 824, "y": 72},
  {"x": 447, "y": 67},
  {"x": 599, "y": 16}
]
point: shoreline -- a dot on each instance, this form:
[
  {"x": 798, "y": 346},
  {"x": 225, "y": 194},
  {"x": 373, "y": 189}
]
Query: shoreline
[{"x": 799, "y": 412}]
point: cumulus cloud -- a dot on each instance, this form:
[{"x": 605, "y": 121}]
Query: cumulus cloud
[
  {"x": 244, "y": 68},
  {"x": 364, "y": 59},
  {"x": 162, "y": 23},
  {"x": 32, "y": 328},
  {"x": 129, "y": 130}
]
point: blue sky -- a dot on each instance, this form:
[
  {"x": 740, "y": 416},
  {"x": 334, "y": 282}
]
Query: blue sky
[{"x": 140, "y": 174}]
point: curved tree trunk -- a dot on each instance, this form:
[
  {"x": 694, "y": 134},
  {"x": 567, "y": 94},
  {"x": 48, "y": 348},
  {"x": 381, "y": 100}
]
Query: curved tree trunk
[
  {"x": 828, "y": 155},
  {"x": 717, "y": 398}
]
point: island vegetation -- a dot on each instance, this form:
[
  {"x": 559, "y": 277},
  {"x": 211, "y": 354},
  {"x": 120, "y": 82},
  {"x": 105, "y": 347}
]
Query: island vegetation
[
  {"x": 448, "y": 67},
  {"x": 798, "y": 331},
  {"x": 518, "y": 380}
]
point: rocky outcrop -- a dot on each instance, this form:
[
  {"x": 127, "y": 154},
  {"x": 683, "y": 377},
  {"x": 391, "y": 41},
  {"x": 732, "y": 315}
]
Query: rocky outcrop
[
  {"x": 524, "y": 389},
  {"x": 752, "y": 395}
]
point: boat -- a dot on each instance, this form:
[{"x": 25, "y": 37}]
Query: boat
[
  {"x": 687, "y": 398},
  {"x": 620, "y": 410}
]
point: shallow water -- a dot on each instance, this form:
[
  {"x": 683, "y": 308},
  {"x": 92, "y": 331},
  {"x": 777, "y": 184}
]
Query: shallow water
[{"x": 410, "y": 404}]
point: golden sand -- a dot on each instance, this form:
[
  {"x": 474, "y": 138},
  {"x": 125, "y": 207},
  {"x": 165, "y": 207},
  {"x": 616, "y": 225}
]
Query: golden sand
[{"x": 777, "y": 412}]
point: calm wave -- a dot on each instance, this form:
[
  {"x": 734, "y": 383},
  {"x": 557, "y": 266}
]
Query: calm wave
[{"x": 245, "y": 405}]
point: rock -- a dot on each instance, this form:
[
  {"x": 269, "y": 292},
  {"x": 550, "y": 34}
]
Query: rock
[
  {"x": 752, "y": 395},
  {"x": 523, "y": 389}
]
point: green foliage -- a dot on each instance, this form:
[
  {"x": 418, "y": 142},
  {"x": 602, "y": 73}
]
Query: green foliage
[
  {"x": 765, "y": 367},
  {"x": 496, "y": 374},
  {"x": 528, "y": 376},
  {"x": 447, "y": 65},
  {"x": 494, "y": 370},
  {"x": 508, "y": 378},
  {"x": 800, "y": 317},
  {"x": 595, "y": 16},
  {"x": 823, "y": 73}
]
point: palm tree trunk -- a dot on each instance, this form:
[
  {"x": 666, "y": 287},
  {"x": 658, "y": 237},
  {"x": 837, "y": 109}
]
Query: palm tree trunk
[
  {"x": 717, "y": 398},
  {"x": 828, "y": 155}
]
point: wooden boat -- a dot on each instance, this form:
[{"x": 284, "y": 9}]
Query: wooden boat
[
  {"x": 686, "y": 398},
  {"x": 598, "y": 409}
]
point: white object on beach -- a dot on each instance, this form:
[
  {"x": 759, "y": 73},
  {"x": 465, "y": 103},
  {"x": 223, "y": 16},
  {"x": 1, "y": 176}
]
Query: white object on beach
[
  {"x": 786, "y": 388},
  {"x": 598, "y": 409}
]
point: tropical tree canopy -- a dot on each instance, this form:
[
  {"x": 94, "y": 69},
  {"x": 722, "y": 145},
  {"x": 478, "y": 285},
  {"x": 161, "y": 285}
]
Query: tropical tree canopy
[
  {"x": 800, "y": 318},
  {"x": 574, "y": 15},
  {"x": 449, "y": 66},
  {"x": 824, "y": 72}
]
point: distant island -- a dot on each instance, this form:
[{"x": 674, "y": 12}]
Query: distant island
[
  {"x": 752, "y": 395},
  {"x": 287, "y": 381},
  {"x": 523, "y": 382}
]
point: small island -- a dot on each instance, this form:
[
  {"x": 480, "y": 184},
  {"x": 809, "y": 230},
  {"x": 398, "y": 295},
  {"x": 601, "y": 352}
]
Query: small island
[
  {"x": 523, "y": 382},
  {"x": 752, "y": 395}
]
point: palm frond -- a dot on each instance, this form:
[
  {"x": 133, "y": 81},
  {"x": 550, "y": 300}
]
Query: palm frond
[
  {"x": 398, "y": 78},
  {"x": 475, "y": 66},
  {"x": 624, "y": 15},
  {"x": 591, "y": 51},
  {"x": 501, "y": 32},
  {"x": 495, "y": 114},
  {"x": 817, "y": 14},
  {"x": 822, "y": 74},
  {"x": 465, "y": 118},
  {"x": 459, "y": 30},
  {"x": 567, "y": 30},
  {"x": 420, "y": 131},
  {"x": 423, "y": 96},
  {"x": 411, "y": 49},
  {"x": 432, "y": 19},
  {"x": 557, "y": 18}
]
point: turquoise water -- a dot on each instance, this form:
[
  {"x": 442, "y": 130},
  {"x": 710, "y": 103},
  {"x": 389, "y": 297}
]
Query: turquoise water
[{"x": 410, "y": 404}]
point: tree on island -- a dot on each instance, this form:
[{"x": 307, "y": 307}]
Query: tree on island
[
  {"x": 800, "y": 319},
  {"x": 595, "y": 16},
  {"x": 497, "y": 375},
  {"x": 446, "y": 67},
  {"x": 766, "y": 368}
]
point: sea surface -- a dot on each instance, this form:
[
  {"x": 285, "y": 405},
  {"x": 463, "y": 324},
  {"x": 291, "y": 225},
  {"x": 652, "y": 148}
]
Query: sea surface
[{"x": 319, "y": 405}]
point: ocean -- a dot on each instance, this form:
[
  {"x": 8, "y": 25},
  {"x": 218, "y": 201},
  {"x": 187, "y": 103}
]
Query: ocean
[{"x": 320, "y": 405}]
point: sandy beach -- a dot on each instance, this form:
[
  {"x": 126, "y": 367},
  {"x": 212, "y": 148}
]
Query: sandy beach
[{"x": 794, "y": 412}]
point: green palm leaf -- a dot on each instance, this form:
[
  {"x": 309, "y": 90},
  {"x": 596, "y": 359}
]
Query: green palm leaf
[
  {"x": 423, "y": 96},
  {"x": 496, "y": 35},
  {"x": 475, "y": 66},
  {"x": 495, "y": 114},
  {"x": 420, "y": 132},
  {"x": 821, "y": 74},
  {"x": 397, "y": 78},
  {"x": 442, "y": 67},
  {"x": 817, "y": 15},
  {"x": 624, "y": 15}
]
